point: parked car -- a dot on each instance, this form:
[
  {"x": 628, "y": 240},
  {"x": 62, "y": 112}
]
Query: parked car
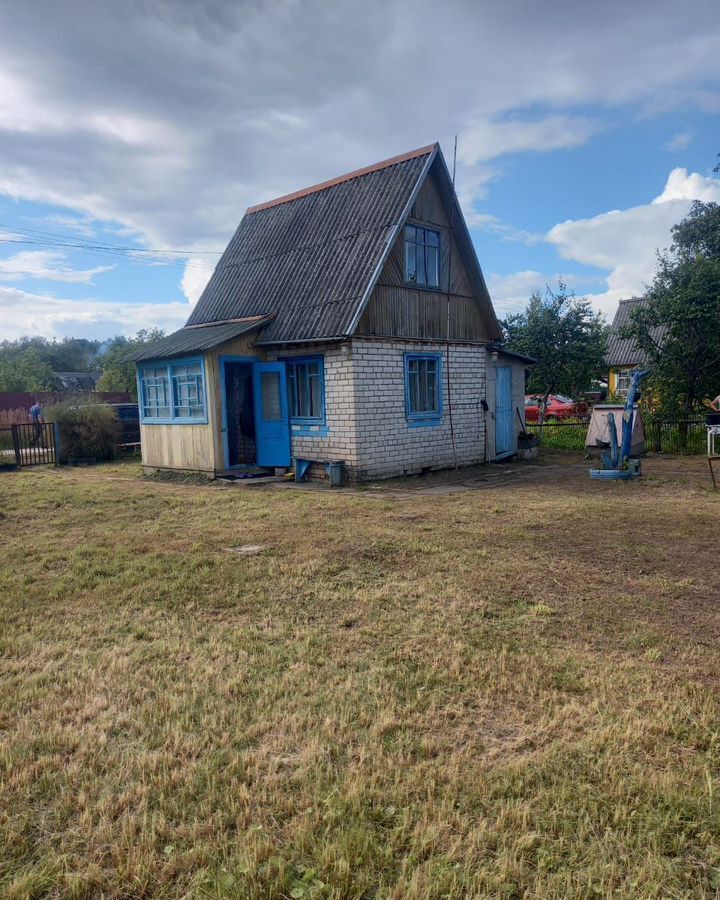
[
  {"x": 559, "y": 408},
  {"x": 129, "y": 417}
]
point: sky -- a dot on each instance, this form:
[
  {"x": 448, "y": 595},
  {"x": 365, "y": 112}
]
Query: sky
[{"x": 134, "y": 134}]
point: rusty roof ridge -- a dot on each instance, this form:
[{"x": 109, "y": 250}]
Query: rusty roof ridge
[{"x": 341, "y": 179}]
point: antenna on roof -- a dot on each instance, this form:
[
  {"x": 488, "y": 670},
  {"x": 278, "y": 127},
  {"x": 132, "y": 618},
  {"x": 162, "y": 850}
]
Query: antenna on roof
[{"x": 447, "y": 330}]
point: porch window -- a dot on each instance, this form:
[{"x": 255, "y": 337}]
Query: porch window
[
  {"x": 173, "y": 392},
  {"x": 423, "y": 395},
  {"x": 155, "y": 392},
  {"x": 188, "y": 393},
  {"x": 422, "y": 256},
  {"x": 306, "y": 389}
]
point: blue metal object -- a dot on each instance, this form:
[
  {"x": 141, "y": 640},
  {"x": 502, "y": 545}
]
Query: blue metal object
[
  {"x": 616, "y": 461},
  {"x": 612, "y": 474},
  {"x": 614, "y": 452},
  {"x": 301, "y": 468}
]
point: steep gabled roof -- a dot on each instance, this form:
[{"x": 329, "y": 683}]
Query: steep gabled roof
[
  {"x": 623, "y": 351},
  {"x": 312, "y": 257}
]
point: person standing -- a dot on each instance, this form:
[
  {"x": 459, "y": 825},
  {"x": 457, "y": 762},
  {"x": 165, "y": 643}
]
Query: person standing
[{"x": 36, "y": 417}]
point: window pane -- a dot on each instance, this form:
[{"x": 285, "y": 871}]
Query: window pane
[
  {"x": 272, "y": 407},
  {"x": 423, "y": 375},
  {"x": 431, "y": 256},
  {"x": 433, "y": 238},
  {"x": 188, "y": 391},
  {"x": 410, "y": 262},
  {"x": 409, "y": 232},
  {"x": 420, "y": 265},
  {"x": 292, "y": 390},
  {"x": 303, "y": 379},
  {"x": 315, "y": 390}
]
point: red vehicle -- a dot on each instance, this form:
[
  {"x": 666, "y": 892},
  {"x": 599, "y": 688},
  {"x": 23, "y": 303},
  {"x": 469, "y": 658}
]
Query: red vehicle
[{"x": 559, "y": 408}]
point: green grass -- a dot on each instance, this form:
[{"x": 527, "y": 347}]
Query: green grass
[
  {"x": 402, "y": 696},
  {"x": 568, "y": 435}
]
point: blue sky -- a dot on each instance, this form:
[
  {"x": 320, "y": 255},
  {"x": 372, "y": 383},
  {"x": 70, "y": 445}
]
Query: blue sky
[{"x": 584, "y": 134}]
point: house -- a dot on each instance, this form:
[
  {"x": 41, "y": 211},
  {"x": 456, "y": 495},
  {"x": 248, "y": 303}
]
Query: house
[
  {"x": 622, "y": 355},
  {"x": 76, "y": 382},
  {"x": 348, "y": 322}
]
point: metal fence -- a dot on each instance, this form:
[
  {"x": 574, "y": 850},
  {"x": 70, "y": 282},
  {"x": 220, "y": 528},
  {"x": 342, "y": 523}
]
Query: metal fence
[
  {"x": 681, "y": 436},
  {"x": 676, "y": 435},
  {"x": 28, "y": 444}
]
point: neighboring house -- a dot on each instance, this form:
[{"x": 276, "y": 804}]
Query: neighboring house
[
  {"x": 622, "y": 355},
  {"x": 350, "y": 322},
  {"x": 76, "y": 382}
]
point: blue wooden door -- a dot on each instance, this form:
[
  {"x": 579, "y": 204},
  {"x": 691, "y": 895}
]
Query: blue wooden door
[
  {"x": 272, "y": 426},
  {"x": 504, "y": 430}
]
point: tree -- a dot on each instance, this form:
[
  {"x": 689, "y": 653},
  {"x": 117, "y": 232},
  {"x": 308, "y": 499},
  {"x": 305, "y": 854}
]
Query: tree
[
  {"x": 118, "y": 373},
  {"x": 23, "y": 369},
  {"x": 565, "y": 336},
  {"x": 683, "y": 302}
]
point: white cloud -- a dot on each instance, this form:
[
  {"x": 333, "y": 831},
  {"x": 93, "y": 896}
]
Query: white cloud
[
  {"x": 486, "y": 140},
  {"x": 488, "y": 222},
  {"x": 681, "y": 186},
  {"x": 48, "y": 265},
  {"x": 510, "y": 293},
  {"x": 679, "y": 141},
  {"x": 625, "y": 242},
  {"x": 24, "y": 313},
  {"x": 196, "y": 275},
  {"x": 171, "y": 118}
]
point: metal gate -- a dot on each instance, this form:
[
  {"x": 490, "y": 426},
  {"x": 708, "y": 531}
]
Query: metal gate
[{"x": 28, "y": 444}]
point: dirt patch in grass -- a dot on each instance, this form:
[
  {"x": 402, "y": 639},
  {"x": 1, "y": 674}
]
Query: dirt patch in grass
[{"x": 505, "y": 691}]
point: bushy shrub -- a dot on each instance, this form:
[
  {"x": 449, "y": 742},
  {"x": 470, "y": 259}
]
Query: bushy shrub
[{"x": 86, "y": 430}]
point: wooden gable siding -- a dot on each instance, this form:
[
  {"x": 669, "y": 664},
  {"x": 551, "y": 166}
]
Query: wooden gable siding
[{"x": 397, "y": 310}]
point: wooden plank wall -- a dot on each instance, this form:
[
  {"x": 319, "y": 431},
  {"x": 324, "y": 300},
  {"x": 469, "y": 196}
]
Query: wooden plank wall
[
  {"x": 197, "y": 448},
  {"x": 396, "y": 310}
]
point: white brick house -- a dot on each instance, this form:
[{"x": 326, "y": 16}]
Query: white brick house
[{"x": 349, "y": 322}]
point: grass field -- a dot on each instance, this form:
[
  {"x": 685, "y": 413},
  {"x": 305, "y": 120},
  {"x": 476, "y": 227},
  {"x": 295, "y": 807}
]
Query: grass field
[{"x": 501, "y": 692}]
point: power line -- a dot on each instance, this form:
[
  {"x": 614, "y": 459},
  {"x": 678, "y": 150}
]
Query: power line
[{"x": 37, "y": 237}]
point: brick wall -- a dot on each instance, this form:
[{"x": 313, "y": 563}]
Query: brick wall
[
  {"x": 387, "y": 444},
  {"x": 336, "y": 440},
  {"x": 366, "y": 423}
]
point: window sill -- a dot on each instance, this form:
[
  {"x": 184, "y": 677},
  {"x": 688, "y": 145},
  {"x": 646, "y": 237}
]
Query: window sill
[
  {"x": 178, "y": 421},
  {"x": 309, "y": 429},
  {"x": 425, "y": 422}
]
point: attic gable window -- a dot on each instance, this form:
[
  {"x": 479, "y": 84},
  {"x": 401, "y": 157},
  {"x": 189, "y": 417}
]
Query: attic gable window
[{"x": 422, "y": 256}]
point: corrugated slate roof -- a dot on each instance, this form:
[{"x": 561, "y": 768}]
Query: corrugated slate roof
[
  {"x": 310, "y": 256},
  {"x": 623, "y": 351},
  {"x": 193, "y": 339}
]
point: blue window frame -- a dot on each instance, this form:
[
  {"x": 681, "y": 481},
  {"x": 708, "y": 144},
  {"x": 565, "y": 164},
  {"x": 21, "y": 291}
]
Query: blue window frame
[
  {"x": 423, "y": 388},
  {"x": 306, "y": 389},
  {"x": 422, "y": 256},
  {"x": 173, "y": 393}
]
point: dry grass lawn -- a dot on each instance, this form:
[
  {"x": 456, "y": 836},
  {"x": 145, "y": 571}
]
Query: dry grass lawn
[{"x": 505, "y": 692}]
